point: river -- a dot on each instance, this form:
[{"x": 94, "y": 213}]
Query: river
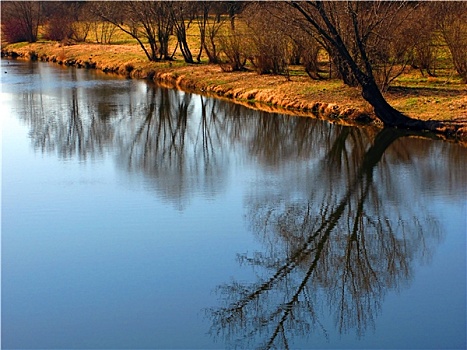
[{"x": 138, "y": 217}]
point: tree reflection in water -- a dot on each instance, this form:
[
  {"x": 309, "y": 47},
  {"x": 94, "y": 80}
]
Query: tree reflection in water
[
  {"x": 344, "y": 246},
  {"x": 175, "y": 140},
  {"x": 339, "y": 232},
  {"x": 72, "y": 121}
]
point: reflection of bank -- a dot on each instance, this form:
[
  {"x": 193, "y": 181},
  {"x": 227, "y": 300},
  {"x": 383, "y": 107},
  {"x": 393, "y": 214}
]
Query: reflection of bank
[{"x": 342, "y": 249}]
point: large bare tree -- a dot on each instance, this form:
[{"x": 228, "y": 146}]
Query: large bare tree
[{"x": 353, "y": 30}]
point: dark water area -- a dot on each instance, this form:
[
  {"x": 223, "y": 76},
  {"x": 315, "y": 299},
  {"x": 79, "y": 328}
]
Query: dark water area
[{"x": 138, "y": 217}]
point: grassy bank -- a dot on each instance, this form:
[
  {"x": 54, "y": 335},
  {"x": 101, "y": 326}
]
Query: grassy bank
[{"x": 426, "y": 98}]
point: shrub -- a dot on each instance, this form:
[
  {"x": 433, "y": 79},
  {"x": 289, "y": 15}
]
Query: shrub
[
  {"x": 269, "y": 45},
  {"x": 233, "y": 46},
  {"x": 451, "y": 21},
  {"x": 20, "y": 20},
  {"x": 58, "y": 29},
  {"x": 14, "y": 31}
]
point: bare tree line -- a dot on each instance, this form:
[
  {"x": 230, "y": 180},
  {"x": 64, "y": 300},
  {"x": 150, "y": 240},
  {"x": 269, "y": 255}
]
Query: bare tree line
[
  {"x": 277, "y": 35},
  {"x": 367, "y": 44}
]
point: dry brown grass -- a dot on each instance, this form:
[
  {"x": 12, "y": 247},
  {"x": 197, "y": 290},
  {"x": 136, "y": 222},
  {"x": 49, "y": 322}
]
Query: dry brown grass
[{"x": 442, "y": 98}]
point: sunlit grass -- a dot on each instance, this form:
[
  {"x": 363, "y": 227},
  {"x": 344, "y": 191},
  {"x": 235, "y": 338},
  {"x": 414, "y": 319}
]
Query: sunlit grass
[{"x": 442, "y": 96}]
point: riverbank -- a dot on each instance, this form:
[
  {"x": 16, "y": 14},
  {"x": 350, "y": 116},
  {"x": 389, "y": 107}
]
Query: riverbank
[{"x": 423, "y": 98}]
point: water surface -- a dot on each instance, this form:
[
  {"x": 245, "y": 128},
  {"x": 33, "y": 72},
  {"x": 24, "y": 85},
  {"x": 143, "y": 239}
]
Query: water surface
[{"x": 140, "y": 217}]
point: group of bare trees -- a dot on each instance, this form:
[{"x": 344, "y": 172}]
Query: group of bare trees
[
  {"x": 365, "y": 43},
  {"x": 151, "y": 23},
  {"x": 273, "y": 35}
]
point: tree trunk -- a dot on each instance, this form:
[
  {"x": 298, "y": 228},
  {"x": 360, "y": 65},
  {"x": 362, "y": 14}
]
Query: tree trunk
[
  {"x": 212, "y": 55},
  {"x": 383, "y": 110},
  {"x": 184, "y": 48},
  {"x": 163, "y": 38},
  {"x": 202, "y": 43},
  {"x": 389, "y": 115},
  {"x": 344, "y": 70}
]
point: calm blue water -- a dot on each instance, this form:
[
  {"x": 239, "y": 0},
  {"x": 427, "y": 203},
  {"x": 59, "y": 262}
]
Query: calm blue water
[{"x": 136, "y": 217}]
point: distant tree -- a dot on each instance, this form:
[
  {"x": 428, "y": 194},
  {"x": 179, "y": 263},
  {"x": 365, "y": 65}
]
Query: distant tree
[
  {"x": 452, "y": 21},
  {"x": 148, "y": 22},
  {"x": 235, "y": 46},
  {"x": 202, "y": 15},
  {"x": 21, "y": 20},
  {"x": 102, "y": 30},
  {"x": 234, "y": 8},
  {"x": 391, "y": 55},
  {"x": 67, "y": 20},
  {"x": 269, "y": 40},
  {"x": 82, "y": 17},
  {"x": 181, "y": 13},
  {"x": 164, "y": 30},
  {"x": 59, "y": 20},
  {"x": 209, "y": 23},
  {"x": 305, "y": 51},
  {"x": 422, "y": 35}
]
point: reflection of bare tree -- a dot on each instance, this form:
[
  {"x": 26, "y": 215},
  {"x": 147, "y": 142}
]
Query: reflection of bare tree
[
  {"x": 178, "y": 150},
  {"x": 175, "y": 141},
  {"x": 67, "y": 121},
  {"x": 68, "y": 130},
  {"x": 341, "y": 244},
  {"x": 183, "y": 144}
]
